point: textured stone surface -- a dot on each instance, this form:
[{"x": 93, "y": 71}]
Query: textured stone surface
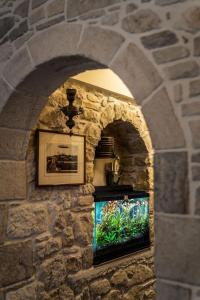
[
  {"x": 197, "y": 210},
  {"x": 56, "y": 7},
  {"x": 3, "y": 222},
  {"x": 110, "y": 19},
  {"x": 131, "y": 7},
  {"x": 13, "y": 184},
  {"x": 5, "y": 25},
  {"x": 5, "y": 91},
  {"x": 100, "y": 287},
  {"x": 132, "y": 65},
  {"x": 197, "y": 46},
  {"x": 18, "y": 31},
  {"x": 37, "y": 3},
  {"x": 5, "y": 52},
  {"x": 171, "y": 182},
  {"x": 174, "y": 258},
  {"x": 15, "y": 262},
  {"x": 194, "y": 88},
  {"x": 26, "y": 292},
  {"x": 52, "y": 272},
  {"x": 178, "y": 92},
  {"x": 190, "y": 19},
  {"x": 22, "y": 9},
  {"x": 172, "y": 292},
  {"x": 33, "y": 220},
  {"x": 77, "y": 8},
  {"x": 110, "y": 40},
  {"x": 45, "y": 47},
  {"x": 18, "y": 67},
  {"x": 49, "y": 23},
  {"x": 170, "y": 54},
  {"x": 141, "y": 21},
  {"x": 168, "y": 2},
  {"x": 157, "y": 112},
  {"x": 93, "y": 14},
  {"x": 196, "y": 157},
  {"x": 196, "y": 173},
  {"x": 13, "y": 144},
  {"x": 37, "y": 15},
  {"x": 195, "y": 130},
  {"x": 160, "y": 39},
  {"x": 191, "y": 109},
  {"x": 120, "y": 278},
  {"x": 183, "y": 70}
]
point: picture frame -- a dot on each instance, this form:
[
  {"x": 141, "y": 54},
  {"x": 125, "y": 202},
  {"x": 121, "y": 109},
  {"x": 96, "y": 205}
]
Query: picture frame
[{"x": 60, "y": 158}]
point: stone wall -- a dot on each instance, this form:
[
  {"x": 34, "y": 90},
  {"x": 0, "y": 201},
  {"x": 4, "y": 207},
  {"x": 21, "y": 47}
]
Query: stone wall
[
  {"x": 57, "y": 221},
  {"x": 153, "y": 45}
]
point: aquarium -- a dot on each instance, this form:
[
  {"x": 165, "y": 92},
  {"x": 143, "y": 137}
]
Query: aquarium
[{"x": 121, "y": 223}]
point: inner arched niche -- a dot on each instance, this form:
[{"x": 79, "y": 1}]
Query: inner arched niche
[{"x": 135, "y": 160}]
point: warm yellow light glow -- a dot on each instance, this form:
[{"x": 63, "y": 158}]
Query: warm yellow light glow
[{"x": 106, "y": 79}]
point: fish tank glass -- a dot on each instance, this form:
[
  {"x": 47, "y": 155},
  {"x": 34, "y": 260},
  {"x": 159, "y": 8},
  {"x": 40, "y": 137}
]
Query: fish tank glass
[{"x": 121, "y": 224}]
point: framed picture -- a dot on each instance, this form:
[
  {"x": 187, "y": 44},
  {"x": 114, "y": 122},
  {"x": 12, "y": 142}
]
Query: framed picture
[{"x": 61, "y": 158}]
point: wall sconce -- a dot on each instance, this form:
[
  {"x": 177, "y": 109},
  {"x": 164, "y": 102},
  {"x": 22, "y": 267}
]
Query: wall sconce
[{"x": 70, "y": 110}]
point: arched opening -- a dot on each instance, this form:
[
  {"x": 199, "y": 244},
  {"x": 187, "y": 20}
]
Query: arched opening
[{"x": 58, "y": 219}]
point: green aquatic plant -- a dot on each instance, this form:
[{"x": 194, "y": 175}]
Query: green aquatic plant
[{"x": 117, "y": 227}]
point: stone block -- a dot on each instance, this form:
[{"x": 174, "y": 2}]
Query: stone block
[
  {"x": 138, "y": 274},
  {"x": 5, "y": 91},
  {"x": 141, "y": 21},
  {"x": 83, "y": 229},
  {"x": 50, "y": 23},
  {"x": 13, "y": 144},
  {"x": 91, "y": 47},
  {"x": 130, "y": 8},
  {"x": 196, "y": 157},
  {"x": 171, "y": 182},
  {"x": 33, "y": 220},
  {"x": 168, "y": 2},
  {"x": 85, "y": 200},
  {"x": 55, "y": 8},
  {"x": 132, "y": 65},
  {"x": 196, "y": 173},
  {"x": 12, "y": 180},
  {"x": 178, "y": 248},
  {"x": 18, "y": 31},
  {"x": 6, "y": 52},
  {"x": 37, "y": 15},
  {"x": 93, "y": 14},
  {"x": 6, "y": 24},
  {"x": 170, "y": 54},
  {"x": 181, "y": 70},
  {"x": 52, "y": 273},
  {"x": 119, "y": 278},
  {"x": 18, "y": 67},
  {"x": 37, "y": 3},
  {"x": 22, "y": 9},
  {"x": 160, "y": 39},
  {"x": 166, "y": 291},
  {"x": 195, "y": 130},
  {"x": 162, "y": 122},
  {"x": 191, "y": 109},
  {"x": 3, "y": 222},
  {"x": 110, "y": 19},
  {"x": 178, "y": 93},
  {"x": 194, "y": 88},
  {"x": 100, "y": 287},
  {"x": 28, "y": 292},
  {"x": 44, "y": 46},
  {"x": 197, "y": 204},
  {"x": 197, "y": 46},
  {"x": 78, "y": 7},
  {"x": 189, "y": 19},
  {"x": 15, "y": 262}
]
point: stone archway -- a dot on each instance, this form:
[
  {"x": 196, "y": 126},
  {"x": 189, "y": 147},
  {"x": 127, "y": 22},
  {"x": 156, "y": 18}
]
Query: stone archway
[{"x": 42, "y": 64}]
